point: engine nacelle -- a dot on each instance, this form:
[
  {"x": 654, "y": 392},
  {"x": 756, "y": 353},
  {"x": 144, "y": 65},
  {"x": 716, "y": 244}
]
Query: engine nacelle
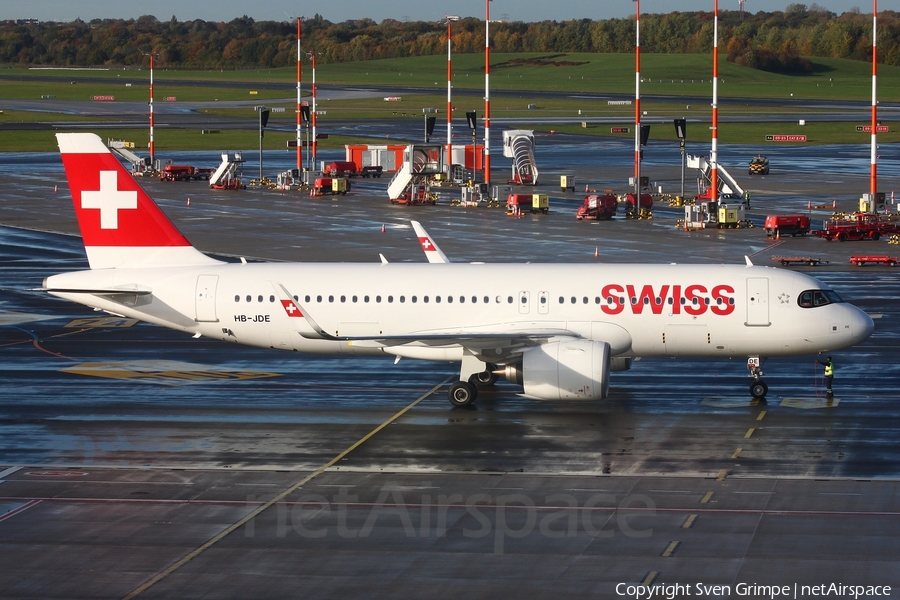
[{"x": 576, "y": 370}]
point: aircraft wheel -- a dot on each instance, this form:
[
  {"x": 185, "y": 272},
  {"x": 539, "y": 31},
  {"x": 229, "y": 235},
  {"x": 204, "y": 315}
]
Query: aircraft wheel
[
  {"x": 486, "y": 378},
  {"x": 462, "y": 393},
  {"x": 758, "y": 389}
]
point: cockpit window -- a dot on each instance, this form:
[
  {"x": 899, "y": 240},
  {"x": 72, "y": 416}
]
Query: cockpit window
[{"x": 814, "y": 298}]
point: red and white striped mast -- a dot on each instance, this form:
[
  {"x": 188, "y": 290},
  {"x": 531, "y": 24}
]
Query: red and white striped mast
[
  {"x": 449, "y": 20},
  {"x": 714, "y": 152},
  {"x": 299, "y": 114},
  {"x": 873, "y": 177},
  {"x": 312, "y": 116},
  {"x": 151, "y": 146},
  {"x": 487, "y": 94},
  {"x": 637, "y": 106}
]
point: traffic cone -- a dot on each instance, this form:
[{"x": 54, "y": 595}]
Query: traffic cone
[
  {"x": 189, "y": 201},
  {"x": 809, "y": 206},
  {"x": 833, "y": 204},
  {"x": 778, "y": 234},
  {"x": 55, "y": 189},
  {"x": 382, "y": 228},
  {"x": 586, "y": 188},
  {"x": 596, "y": 251}
]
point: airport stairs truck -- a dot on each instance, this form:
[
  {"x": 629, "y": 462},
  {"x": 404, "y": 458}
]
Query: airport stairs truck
[
  {"x": 225, "y": 177},
  {"x": 518, "y": 144},
  {"x": 729, "y": 188}
]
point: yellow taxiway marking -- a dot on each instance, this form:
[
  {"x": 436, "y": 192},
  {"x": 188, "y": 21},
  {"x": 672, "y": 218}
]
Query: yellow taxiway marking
[
  {"x": 736, "y": 453},
  {"x": 722, "y": 474},
  {"x": 761, "y": 415},
  {"x": 254, "y": 513},
  {"x": 749, "y": 433},
  {"x": 690, "y": 522},
  {"x": 706, "y": 498},
  {"x": 101, "y": 323},
  {"x": 650, "y": 578},
  {"x": 810, "y": 403},
  {"x": 670, "y": 549}
]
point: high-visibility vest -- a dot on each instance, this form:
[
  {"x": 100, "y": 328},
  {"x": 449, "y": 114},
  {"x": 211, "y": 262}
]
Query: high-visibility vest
[{"x": 829, "y": 369}]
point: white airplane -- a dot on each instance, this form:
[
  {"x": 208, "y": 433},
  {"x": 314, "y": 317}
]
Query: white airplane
[{"x": 558, "y": 330}]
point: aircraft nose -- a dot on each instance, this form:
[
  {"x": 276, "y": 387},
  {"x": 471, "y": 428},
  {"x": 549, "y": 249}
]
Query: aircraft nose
[{"x": 862, "y": 325}]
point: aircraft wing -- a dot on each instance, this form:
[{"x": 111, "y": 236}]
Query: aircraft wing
[{"x": 432, "y": 252}]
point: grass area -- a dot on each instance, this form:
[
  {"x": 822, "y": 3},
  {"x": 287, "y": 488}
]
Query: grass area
[
  {"x": 168, "y": 139},
  {"x": 676, "y": 74},
  {"x": 138, "y": 91},
  {"x": 663, "y": 75}
]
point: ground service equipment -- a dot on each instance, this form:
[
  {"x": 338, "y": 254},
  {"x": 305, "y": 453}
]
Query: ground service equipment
[
  {"x": 597, "y": 207},
  {"x": 865, "y": 226},
  {"x": 759, "y": 165},
  {"x": 780, "y": 225}
]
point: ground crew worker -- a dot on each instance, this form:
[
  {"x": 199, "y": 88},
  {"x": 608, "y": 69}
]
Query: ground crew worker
[
  {"x": 747, "y": 200},
  {"x": 829, "y": 375}
]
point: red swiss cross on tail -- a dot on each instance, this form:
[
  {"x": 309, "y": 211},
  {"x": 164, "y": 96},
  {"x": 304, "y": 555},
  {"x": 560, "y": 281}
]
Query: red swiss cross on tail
[
  {"x": 290, "y": 308},
  {"x": 120, "y": 224}
]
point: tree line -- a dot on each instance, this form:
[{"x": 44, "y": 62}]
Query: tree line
[{"x": 776, "y": 41}]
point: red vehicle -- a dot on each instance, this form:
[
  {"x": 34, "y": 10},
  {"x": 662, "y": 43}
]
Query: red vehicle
[
  {"x": 329, "y": 185},
  {"x": 778, "y": 225},
  {"x": 867, "y": 226},
  {"x": 177, "y": 173},
  {"x": 880, "y": 259},
  {"x": 598, "y": 207},
  {"x": 341, "y": 168},
  {"x": 644, "y": 209}
]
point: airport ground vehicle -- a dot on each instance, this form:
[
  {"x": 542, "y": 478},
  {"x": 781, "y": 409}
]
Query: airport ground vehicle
[
  {"x": 598, "y": 207},
  {"x": 177, "y": 173},
  {"x": 759, "y": 165},
  {"x": 519, "y": 204},
  {"x": 329, "y": 185},
  {"x": 780, "y": 225},
  {"x": 799, "y": 260},
  {"x": 878, "y": 259},
  {"x": 864, "y": 226},
  {"x": 558, "y": 330},
  {"x": 643, "y": 211}
]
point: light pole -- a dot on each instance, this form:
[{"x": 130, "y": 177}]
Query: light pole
[
  {"x": 873, "y": 177},
  {"x": 450, "y": 19},
  {"x": 263, "y": 119},
  {"x": 681, "y": 132},
  {"x": 637, "y": 107},
  {"x": 487, "y": 95},
  {"x": 714, "y": 151},
  {"x": 299, "y": 116}
]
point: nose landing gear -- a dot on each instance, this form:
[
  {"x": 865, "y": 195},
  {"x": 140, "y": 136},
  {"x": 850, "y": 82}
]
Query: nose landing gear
[{"x": 758, "y": 387}]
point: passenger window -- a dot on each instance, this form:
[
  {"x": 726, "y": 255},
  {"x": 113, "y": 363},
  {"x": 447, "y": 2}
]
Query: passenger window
[
  {"x": 378, "y": 299},
  {"x": 474, "y": 299},
  {"x": 331, "y": 298},
  {"x": 449, "y": 299},
  {"x": 573, "y": 300},
  {"x": 271, "y": 298},
  {"x": 646, "y": 300},
  {"x": 437, "y": 299},
  {"x": 543, "y": 300},
  {"x": 343, "y": 298},
  {"x": 584, "y": 300},
  {"x": 425, "y": 299},
  {"x": 259, "y": 298},
  {"x": 462, "y": 299},
  {"x": 402, "y": 299},
  {"x": 597, "y": 300},
  {"x": 355, "y": 298},
  {"x": 414, "y": 299},
  {"x": 562, "y": 300},
  {"x": 237, "y": 298},
  {"x": 249, "y": 299},
  {"x": 509, "y": 300},
  {"x": 633, "y": 300},
  {"x": 365, "y": 298},
  {"x": 390, "y": 299},
  {"x": 318, "y": 298}
]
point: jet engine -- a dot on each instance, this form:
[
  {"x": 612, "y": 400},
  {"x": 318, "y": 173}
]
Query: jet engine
[{"x": 575, "y": 370}]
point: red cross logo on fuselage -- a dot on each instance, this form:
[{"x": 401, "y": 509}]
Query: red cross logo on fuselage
[
  {"x": 426, "y": 243},
  {"x": 291, "y": 309}
]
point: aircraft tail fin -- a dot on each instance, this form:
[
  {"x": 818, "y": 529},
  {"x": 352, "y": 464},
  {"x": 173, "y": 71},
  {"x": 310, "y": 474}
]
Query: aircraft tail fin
[{"x": 120, "y": 224}]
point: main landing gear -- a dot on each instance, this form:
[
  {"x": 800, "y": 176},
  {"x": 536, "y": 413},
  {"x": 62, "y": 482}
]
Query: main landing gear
[
  {"x": 473, "y": 375},
  {"x": 758, "y": 387}
]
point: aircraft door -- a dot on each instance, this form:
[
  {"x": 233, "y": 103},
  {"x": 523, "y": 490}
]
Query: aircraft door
[
  {"x": 524, "y": 303},
  {"x": 205, "y": 299},
  {"x": 544, "y": 303},
  {"x": 758, "y": 302}
]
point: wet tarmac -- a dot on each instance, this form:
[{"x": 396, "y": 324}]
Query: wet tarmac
[{"x": 136, "y": 461}]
